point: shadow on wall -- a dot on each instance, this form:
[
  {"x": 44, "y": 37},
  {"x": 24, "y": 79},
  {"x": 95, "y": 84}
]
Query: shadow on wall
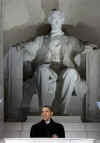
[
  {"x": 27, "y": 33},
  {"x": 23, "y": 33},
  {"x": 87, "y": 33}
]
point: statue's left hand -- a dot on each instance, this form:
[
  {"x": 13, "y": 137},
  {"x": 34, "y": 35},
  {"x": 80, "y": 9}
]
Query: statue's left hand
[{"x": 90, "y": 47}]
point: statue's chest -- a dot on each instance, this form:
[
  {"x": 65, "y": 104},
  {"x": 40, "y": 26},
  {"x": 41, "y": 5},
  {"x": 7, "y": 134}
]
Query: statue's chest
[
  {"x": 55, "y": 50},
  {"x": 55, "y": 46}
]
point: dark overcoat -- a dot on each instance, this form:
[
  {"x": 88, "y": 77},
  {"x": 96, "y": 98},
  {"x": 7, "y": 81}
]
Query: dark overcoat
[{"x": 42, "y": 129}]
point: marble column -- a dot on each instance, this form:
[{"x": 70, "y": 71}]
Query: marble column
[
  {"x": 15, "y": 84},
  {"x": 93, "y": 81},
  {"x": 1, "y": 64}
]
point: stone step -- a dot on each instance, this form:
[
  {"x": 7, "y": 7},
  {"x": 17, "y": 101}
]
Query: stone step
[{"x": 63, "y": 119}]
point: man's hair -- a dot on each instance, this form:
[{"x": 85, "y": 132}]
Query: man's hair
[{"x": 47, "y": 106}]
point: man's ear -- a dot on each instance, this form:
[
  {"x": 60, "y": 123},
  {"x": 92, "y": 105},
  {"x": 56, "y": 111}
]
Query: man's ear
[{"x": 52, "y": 113}]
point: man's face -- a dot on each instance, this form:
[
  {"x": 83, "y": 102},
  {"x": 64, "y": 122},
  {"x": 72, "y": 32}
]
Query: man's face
[{"x": 46, "y": 113}]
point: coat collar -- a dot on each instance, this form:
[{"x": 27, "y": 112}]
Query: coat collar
[{"x": 43, "y": 122}]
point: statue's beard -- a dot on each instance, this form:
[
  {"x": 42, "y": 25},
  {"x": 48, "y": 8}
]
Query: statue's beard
[{"x": 55, "y": 32}]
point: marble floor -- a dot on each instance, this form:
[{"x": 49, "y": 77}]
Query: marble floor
[{"x": 74, "y": 128}]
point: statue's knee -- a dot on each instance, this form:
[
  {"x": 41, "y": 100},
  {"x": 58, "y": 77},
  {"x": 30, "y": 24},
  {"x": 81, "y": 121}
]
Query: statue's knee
[
  {"x": 72, "y": 74},
  {"x": 42, "y": 69}
]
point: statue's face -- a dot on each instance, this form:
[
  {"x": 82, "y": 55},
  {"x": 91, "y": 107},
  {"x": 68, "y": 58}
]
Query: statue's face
[
  {"x": 56, "y": 23},
  {"x": 56, "y": 19}
]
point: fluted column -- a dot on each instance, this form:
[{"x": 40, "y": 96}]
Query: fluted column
[
  {"x": 1, "y": 64},
  {"x": 93, "y": 81}
]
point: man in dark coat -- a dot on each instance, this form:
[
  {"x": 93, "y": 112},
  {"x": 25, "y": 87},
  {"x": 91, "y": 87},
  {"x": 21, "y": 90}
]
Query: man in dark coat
[{"x": 47, "y": 127}]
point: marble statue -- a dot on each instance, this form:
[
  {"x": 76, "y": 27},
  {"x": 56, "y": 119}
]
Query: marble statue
[{"x": 54, "y": 57}]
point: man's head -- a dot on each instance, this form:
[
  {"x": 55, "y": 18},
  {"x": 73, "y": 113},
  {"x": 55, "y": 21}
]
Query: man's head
[
  {"x": 46, "y": 113},
  {"x": 56, "y": 19}
]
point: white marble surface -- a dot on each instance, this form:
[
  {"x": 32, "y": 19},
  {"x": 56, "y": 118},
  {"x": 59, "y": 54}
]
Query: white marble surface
[
  {"x": 42, "y": 140},
  {"x": 73, "y": 128},
  {"x": 64, "y": 119}
]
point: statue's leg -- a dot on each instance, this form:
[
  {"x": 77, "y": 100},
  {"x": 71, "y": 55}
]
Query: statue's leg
[
  {"x": 65, "y": 88},
  {"x": 43, "y": 74}
]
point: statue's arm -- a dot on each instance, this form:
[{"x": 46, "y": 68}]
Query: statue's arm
[
  {"x": 77, "y": 49},
  {"x": 30, "y": 49},
  {"x": 71, "y": 50},
  {"x": 81, "y": 48}
]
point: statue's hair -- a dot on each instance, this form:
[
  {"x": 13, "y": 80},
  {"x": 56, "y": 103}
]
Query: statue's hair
[{"x": 55, "y": 13}]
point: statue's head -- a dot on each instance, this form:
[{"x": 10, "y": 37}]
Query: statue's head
[{"x": 56, "y": 18}]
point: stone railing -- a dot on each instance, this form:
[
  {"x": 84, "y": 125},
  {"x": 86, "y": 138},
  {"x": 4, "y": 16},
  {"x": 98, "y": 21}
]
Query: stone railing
[{"x": 48, "y": 140}]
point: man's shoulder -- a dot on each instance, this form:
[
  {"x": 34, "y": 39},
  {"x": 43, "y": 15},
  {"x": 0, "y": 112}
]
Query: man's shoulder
[
  {"x": 36, "y": 125},
  {"x": 58, "y": 124}
]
